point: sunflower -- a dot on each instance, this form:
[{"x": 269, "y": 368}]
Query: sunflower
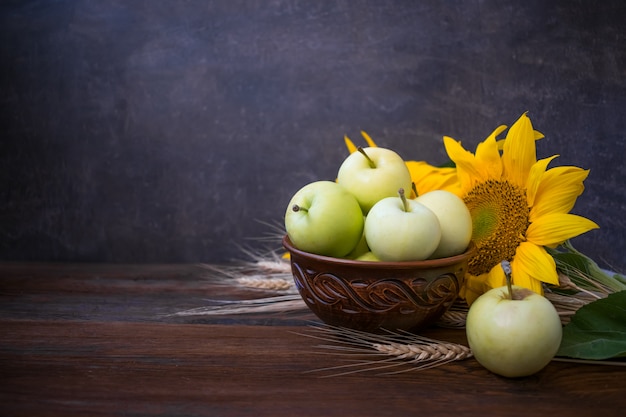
[{"x": 518, "y": 208}]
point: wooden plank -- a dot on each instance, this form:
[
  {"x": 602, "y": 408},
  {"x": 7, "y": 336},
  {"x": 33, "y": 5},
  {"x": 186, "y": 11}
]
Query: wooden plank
[
  {"x": 94, "y": 340},
  {"x": 70, "y": 368},
  {"x": 122, "y": 292}
]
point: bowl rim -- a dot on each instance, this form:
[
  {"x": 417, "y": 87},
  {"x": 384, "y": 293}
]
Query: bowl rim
[{"x": 428, "y": 263}]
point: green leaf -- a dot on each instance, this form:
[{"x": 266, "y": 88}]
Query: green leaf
[
  {"x": 447, "y": 164},
  {"x": 579, "y": 268},
  {"x": 597, "y": 331}
]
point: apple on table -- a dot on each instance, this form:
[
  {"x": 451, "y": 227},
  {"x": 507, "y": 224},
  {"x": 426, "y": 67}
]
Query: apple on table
[{"x": 513, "y": 331}]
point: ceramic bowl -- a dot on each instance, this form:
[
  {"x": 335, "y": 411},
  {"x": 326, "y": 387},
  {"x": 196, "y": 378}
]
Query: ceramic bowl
[{"x": 371, "y": 296}]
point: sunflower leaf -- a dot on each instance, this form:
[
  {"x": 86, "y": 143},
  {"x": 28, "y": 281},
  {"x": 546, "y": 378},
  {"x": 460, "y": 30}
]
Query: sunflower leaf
[
  {"x": 577, "y": 266},
  {"x": 447, "y": 164},
  {"x": 597, "y": 331}
]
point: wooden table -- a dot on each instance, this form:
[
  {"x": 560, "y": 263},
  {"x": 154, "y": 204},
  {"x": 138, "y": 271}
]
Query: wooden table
[{"x": 100, "y": 340}]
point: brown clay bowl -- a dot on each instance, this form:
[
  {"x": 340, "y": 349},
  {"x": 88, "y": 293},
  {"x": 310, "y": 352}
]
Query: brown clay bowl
[{"x": 370, "y": 296}]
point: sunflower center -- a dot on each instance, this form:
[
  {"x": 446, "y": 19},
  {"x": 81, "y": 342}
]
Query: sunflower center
[{"x": 500, "y": 219}]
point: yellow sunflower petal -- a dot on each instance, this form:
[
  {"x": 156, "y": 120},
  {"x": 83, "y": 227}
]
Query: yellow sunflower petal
[
  {"x": 369, "y": 140},
  {"x": 488, "y": 155},
  {"x": 558, "y": 191},
  {"x": 466, "y": 293},
  {"x": 495, "y": 278},
  {"x": 495, "y": 133},
  {"x": 555, "y": 228},
  {"x": 473, "y": 287},
  {"x": 467, "y": 169},
  {"x": 428, "y": 178},
  {"x": 349, "y": 144},
  {"x": 352, "y": 147},
  {"x": 519, "y": 153},
  {"x": 534, "y": 178},
  {"x": 538, "y": 135},
  {"x": 533, "y": 264},
  {"x": 522, "y": 279}
]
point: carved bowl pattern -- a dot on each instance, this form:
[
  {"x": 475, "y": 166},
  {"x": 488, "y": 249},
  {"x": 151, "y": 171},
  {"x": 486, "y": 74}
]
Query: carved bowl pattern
[{"x": 370, "y": 296}]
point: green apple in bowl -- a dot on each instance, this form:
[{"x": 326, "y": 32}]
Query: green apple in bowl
[
  {"x": 360, "y": 249},
  {"x": 368, "y": 257},
  {"x": 325, "y": 219},
  {"x": 513, "y": 331},
  {"x": 398, "y": 229},
  {"x": 455, "y": 220},
  {"x": 372, "y": 174}
]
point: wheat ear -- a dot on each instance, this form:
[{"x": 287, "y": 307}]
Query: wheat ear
[
  {"x": 266, "y": 283},
  {"x": 427, "y": 352},
  {"x": 388, "y": 351}
]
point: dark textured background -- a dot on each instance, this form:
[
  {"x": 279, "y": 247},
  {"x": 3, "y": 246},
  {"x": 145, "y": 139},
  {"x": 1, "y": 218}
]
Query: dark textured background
[{"x": 167, "y": 131}]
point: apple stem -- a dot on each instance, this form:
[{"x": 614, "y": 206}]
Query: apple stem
[
  {"x": 405, "y": 203},
  {"x": 506, "y": 266},
  {"x": 296, "y": 207},
  {"x": 369, "y": 160}
]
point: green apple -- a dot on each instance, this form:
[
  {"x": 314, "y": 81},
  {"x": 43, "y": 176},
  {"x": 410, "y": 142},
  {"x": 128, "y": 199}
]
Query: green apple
[
  {"x": 360, "y": 248},
  {"x": 325, "y": 219},
  {"x": 398, "y": 229},
  {"x": 368, "y": 256},
  {"x": 513, "y": 336},
  {"x": 372, "y": 174},
  {"x": 455, "y": 220}
]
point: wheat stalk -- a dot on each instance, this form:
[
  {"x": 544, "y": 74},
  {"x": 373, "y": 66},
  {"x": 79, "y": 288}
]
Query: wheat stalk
[
  {"x": 265, "y": 271},
  {"x": 568, "y": 297},
  {"x": 387, "y": 351},
  {"x": 266, "y": 283},
  {"x": 276, "y": 304}
]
